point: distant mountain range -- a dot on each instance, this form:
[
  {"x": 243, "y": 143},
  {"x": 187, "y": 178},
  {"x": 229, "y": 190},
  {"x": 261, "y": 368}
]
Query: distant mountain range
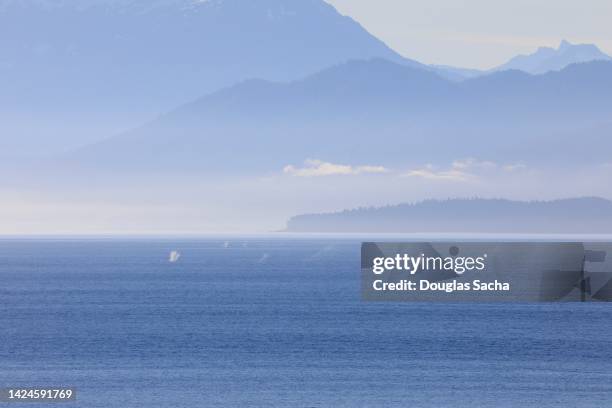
[
  {"x": 86, "y": 69},
  {"x": 547, "y": 59},
  {"x": 578, "y": 215},
  {"x": 543, "y": 60},
  {"x": 375, "y": 111},
  {"x": 233, "y": 113}
]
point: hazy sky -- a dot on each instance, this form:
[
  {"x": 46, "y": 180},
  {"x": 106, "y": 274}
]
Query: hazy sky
[{"x": 480, "y": 33}]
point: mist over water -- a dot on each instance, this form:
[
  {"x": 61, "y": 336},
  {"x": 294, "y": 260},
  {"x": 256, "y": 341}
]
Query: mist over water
[{"x": 160, "y": 117}]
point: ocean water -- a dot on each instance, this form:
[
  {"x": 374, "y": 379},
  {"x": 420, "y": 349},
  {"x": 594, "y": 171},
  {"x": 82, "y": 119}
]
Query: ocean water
[{"x": 276, "y": 323}]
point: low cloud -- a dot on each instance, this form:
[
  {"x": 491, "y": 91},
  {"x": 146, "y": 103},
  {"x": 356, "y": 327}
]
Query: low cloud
[
  {"x": 319, "y": 168},
  {"x": 430, "y": 173},
  {"x": 514, "y": 167},
  {"x": 471, "y": 163},
  {"x": 462, "y": 170}
]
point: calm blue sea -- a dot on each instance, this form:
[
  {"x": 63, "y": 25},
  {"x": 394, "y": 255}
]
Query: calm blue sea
[{"x": 276, "y": 323}]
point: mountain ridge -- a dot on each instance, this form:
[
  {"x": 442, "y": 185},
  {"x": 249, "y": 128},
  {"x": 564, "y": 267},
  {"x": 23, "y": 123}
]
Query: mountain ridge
[
  {"x": 336, "y": 113},
  {"x": 103, "y": 65},
  {"x": 546, "y": 59}
]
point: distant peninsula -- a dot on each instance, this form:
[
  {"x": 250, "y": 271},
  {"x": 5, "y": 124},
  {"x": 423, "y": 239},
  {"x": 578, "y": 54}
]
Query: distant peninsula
[{"x": 574, "y": 215}]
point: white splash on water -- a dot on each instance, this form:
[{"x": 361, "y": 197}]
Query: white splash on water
[{"x": 174, "y": 256}]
